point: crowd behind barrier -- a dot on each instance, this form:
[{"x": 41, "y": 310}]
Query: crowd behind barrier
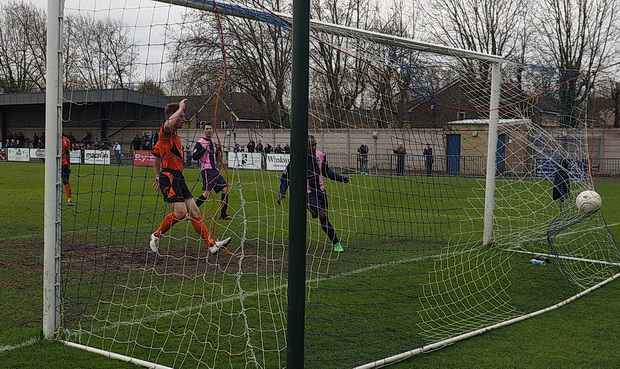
[{"x": 378, "y": 164}]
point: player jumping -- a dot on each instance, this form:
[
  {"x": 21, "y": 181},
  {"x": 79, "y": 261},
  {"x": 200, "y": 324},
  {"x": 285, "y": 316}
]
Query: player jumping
[{"x": 168, "y": 164}]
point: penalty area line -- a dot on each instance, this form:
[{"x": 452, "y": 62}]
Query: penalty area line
[{"x": 28, "y": 342}]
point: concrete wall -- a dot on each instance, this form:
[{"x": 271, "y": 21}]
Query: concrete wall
[{"x": 605, "y": 144}]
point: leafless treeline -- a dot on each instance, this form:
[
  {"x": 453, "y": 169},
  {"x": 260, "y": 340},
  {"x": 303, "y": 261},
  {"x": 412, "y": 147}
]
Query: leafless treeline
[{"x": 568, "y": 35}]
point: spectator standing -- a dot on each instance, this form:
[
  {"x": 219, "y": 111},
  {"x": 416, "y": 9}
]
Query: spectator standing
[
  {"x": 428, "y": 159},
  {"x": 363, "y": 158},
  {"x": 259, "y": 146},
  {"x": 188, "y": 156},
  {"x": 145, "y": 141},
  {"x": 561, "y": 182},
  {"x": 278, "y": 149},
  {"x": 88, "y": 138},
  {"x": 136, "y": 143},
  {"x": 117, "y": 152},
  {"x": 251, "y": 146},
  {"x": 400, "y": 152}
]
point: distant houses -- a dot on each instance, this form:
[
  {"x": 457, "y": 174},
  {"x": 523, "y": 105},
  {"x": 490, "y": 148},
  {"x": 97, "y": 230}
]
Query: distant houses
[{"x": 123, "y": 113}]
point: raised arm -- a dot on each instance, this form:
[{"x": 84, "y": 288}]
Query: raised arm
[{"x": 175, "y": 117}]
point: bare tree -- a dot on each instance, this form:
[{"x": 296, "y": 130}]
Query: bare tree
[
  {"x": 340, "y": 73},
  {"x": 487, "y": 26},
  {"x": 149, "y": 86},
  {"x": 395, "y": 82},
  {"x": 495, "y": 27},
  {"x": 239, "y": 54},
  {"x": 22, "y": 47},
  {"x": 99, "y": 54},
  {"x": 576, "y": 35},
  {"x": 616, "y": 97}
]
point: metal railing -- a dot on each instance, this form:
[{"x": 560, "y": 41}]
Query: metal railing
[{"x": 455, "y": 165}]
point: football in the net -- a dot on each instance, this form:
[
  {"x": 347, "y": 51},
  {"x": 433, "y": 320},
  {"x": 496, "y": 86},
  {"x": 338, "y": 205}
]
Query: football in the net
[{"x": 589, "y": 202}]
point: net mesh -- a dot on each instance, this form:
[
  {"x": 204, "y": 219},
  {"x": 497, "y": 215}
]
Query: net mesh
[{"x": 415, "y": 269}]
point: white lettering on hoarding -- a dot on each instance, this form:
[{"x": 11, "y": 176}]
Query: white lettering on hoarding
[{"x": 143, "y": 158}]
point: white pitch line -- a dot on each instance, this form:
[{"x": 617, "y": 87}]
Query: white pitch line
[{"x": 29, "y": 342}]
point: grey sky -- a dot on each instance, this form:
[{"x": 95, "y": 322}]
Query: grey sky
[{"x": 147, "y": 20}]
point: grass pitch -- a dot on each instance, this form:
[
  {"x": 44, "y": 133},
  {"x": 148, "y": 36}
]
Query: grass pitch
[{"x": 21, "y": 261}]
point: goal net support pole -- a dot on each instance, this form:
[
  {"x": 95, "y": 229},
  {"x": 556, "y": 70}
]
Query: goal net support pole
[
  {"x": 296, "y": 293},
  {"x": 489, "y": 197},
  {"x": 53, "y": 127}
]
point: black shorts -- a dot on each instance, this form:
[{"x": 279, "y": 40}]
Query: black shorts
[
  {"x": 317, "y": 201},
  {"x": 173, "y": 187},
  {"x": 213, "y": 180},
  {"x": 65, "y": 171}
]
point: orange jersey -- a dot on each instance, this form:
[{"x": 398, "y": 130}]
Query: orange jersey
[
  {"x": 65, "y": 151},
  {"x": 169, "y": 149}
]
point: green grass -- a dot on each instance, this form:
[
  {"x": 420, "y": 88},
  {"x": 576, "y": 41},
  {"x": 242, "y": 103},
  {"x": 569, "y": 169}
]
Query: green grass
[{"x": 105, "y": 236}]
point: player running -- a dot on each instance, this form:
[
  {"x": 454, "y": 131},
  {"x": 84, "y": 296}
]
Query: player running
[{"x": 168, "y": 164}]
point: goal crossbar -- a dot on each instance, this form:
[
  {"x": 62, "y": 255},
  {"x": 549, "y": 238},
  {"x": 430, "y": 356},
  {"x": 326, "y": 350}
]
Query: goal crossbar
[{"x": 330, "y": 28}]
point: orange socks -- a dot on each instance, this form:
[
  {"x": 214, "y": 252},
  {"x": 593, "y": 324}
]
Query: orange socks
[
  {"x": 203, "y": 231},
  {"x": 68, "y": 191},
  {"x": 166, "y": 224},
  {"x": 197, "y": 223}
]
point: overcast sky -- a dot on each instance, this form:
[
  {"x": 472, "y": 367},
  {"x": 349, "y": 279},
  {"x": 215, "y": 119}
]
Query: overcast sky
[{"x": 147, "y": 18}]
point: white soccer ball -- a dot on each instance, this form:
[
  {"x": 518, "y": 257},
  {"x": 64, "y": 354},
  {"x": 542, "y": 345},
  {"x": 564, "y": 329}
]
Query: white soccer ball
[{"x": 589, "y": 202}]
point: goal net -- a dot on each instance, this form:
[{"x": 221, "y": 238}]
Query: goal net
[{"x": 407, "y": 125}]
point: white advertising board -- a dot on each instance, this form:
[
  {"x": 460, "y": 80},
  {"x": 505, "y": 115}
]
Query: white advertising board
[
  {"x": 97, "y": 157},
  {"x": 75, "y": 157},
  {"x": 244, "y": 160},
  {"x": 19, "y": 154},
  {"x": 37, "y": 153},
  {"x": 277, "y": 161}
]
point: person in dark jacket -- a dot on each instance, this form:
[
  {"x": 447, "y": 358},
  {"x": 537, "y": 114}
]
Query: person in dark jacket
[
  {"x": 561, "y": 182},
  {"x": 316, "y": 200}
]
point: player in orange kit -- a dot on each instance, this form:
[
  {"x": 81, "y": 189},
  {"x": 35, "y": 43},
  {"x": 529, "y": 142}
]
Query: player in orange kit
[
  {"x": 65, "y": 157},
  {"x": 168, "y": 164}
]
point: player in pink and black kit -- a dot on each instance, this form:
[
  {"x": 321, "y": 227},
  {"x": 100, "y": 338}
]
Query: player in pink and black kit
[
  {"x": 207, "y": 153},
  {"x": 316, "y": 196}
]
